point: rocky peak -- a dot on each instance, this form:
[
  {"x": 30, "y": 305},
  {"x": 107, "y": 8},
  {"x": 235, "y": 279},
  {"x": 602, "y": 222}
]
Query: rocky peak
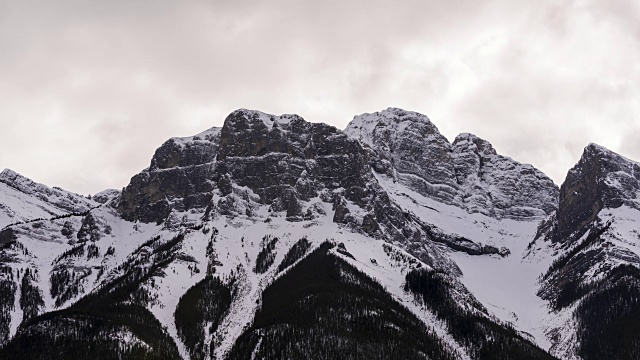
[
  {"x": 285, "y": 158},
  {"x": 498, "y": 185},
  {"x": 408, "y": 147},
  {"x": 468, "y": 173},
  {"x": 178, "y": 177},
  {"x": 473, "y": 143},
  {"x": 373, "y": 129},
  {"x": 281, "y": 159},
  {"x": 600, "y": 179},
  {"x": 186, "y": 151},
  {"x": 108, "y": 196},
  {"x": 266, "y": 166},
  {"x": 254, "y": 128},
  {"x": 248, "y": 133}
]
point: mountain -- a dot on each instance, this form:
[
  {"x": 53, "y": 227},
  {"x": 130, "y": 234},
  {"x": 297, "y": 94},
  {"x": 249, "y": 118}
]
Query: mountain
[
  {"x": 274, "y": 237},
  {"x": 593, "y": 283}
]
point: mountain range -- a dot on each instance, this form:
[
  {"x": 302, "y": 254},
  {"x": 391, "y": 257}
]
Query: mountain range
[{"x": 277, "y": 238}]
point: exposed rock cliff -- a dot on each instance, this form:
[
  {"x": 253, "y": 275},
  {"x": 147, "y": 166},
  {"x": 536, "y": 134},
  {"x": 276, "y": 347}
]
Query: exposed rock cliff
[{"x": 467, "y": 173}]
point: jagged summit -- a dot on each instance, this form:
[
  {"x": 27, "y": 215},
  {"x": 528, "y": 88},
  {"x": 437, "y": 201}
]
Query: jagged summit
[
  {"x": 363, "y": 126},
  {"x": 618, "y": 162},
  {"x": 481, "y": 145},
  {"x": 465, "y": 136},
  {"x": 206, "y": 135},
  {"x": 255, "y": 116},
  {"x": 593, "y": 151},
  {"x": 406, "y": 146},
  {"x": 467, "y": 173},
  {"x": 593, "y": 147},
  {"x": 6, "y": 172},
  {"x": 601, "y": 179},
  {"x": 396, "y": 114}
]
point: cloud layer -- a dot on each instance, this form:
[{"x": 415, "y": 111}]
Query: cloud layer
[{"x": 90, "y": 89}]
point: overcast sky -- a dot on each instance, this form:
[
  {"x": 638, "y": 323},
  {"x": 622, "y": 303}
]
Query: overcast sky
[{"x": 89, "y": 89}]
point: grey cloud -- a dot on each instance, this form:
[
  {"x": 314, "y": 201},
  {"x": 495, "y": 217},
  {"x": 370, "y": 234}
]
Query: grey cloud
[{"x": 90, "y": 89}]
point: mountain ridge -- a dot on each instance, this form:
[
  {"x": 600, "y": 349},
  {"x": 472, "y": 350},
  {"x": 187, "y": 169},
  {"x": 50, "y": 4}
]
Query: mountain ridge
[{"x": 204, "y": 227}]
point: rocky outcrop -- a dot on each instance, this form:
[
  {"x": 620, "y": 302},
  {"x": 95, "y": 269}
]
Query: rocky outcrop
[
  {"x": 497, "y": 185},
  {"x": 179, "y": 177},
  {"x": 109, "y": 196},
  {"x": 467, "y": 173},
  {"x": 407, "y": 146},
  {"x": 285, "y": 156},
  {"x": 601, "y": 179}
]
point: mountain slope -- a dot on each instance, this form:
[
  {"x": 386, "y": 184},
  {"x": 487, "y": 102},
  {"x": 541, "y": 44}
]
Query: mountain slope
[
  {"x": 22, "y": 200},
  {"x": 495, "y": 206}
]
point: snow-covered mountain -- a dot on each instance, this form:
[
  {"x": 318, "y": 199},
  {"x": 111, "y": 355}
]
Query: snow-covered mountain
[
  {"x": 467, "y": 173},
  {"x": 594, "y": 238},
  {"x": 273, "y": 237}
]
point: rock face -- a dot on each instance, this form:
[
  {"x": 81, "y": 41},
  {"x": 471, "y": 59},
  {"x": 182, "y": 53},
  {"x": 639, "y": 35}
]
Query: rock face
[
  {"x": 467, "y": 173},
  {"x": 282, "y": 160},
  {"x": 407, "y": 146},
  {"x": 178, "y": 178},
  {"x": 291, "y": 165},
  {"x": 285, "y": 159},
  {"x": 504, "y": 187},
  {"x": 601, "y": 179}
]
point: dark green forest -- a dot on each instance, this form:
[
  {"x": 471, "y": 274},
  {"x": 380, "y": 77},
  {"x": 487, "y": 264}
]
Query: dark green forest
[
  {"x": 481, "y": 336},
  {"x": 324, "y": 308}
]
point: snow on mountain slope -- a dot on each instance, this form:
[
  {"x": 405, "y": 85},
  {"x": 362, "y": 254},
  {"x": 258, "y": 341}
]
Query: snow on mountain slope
[
  {"x": 506, "y": 285},
  {"x": 237, "y": 244},
  {"x": 16, "y": 207},
  {"x": 453, "y": 220},
  {"x": 22, "y": 199},
  {"x": 369, "y": 256}
]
